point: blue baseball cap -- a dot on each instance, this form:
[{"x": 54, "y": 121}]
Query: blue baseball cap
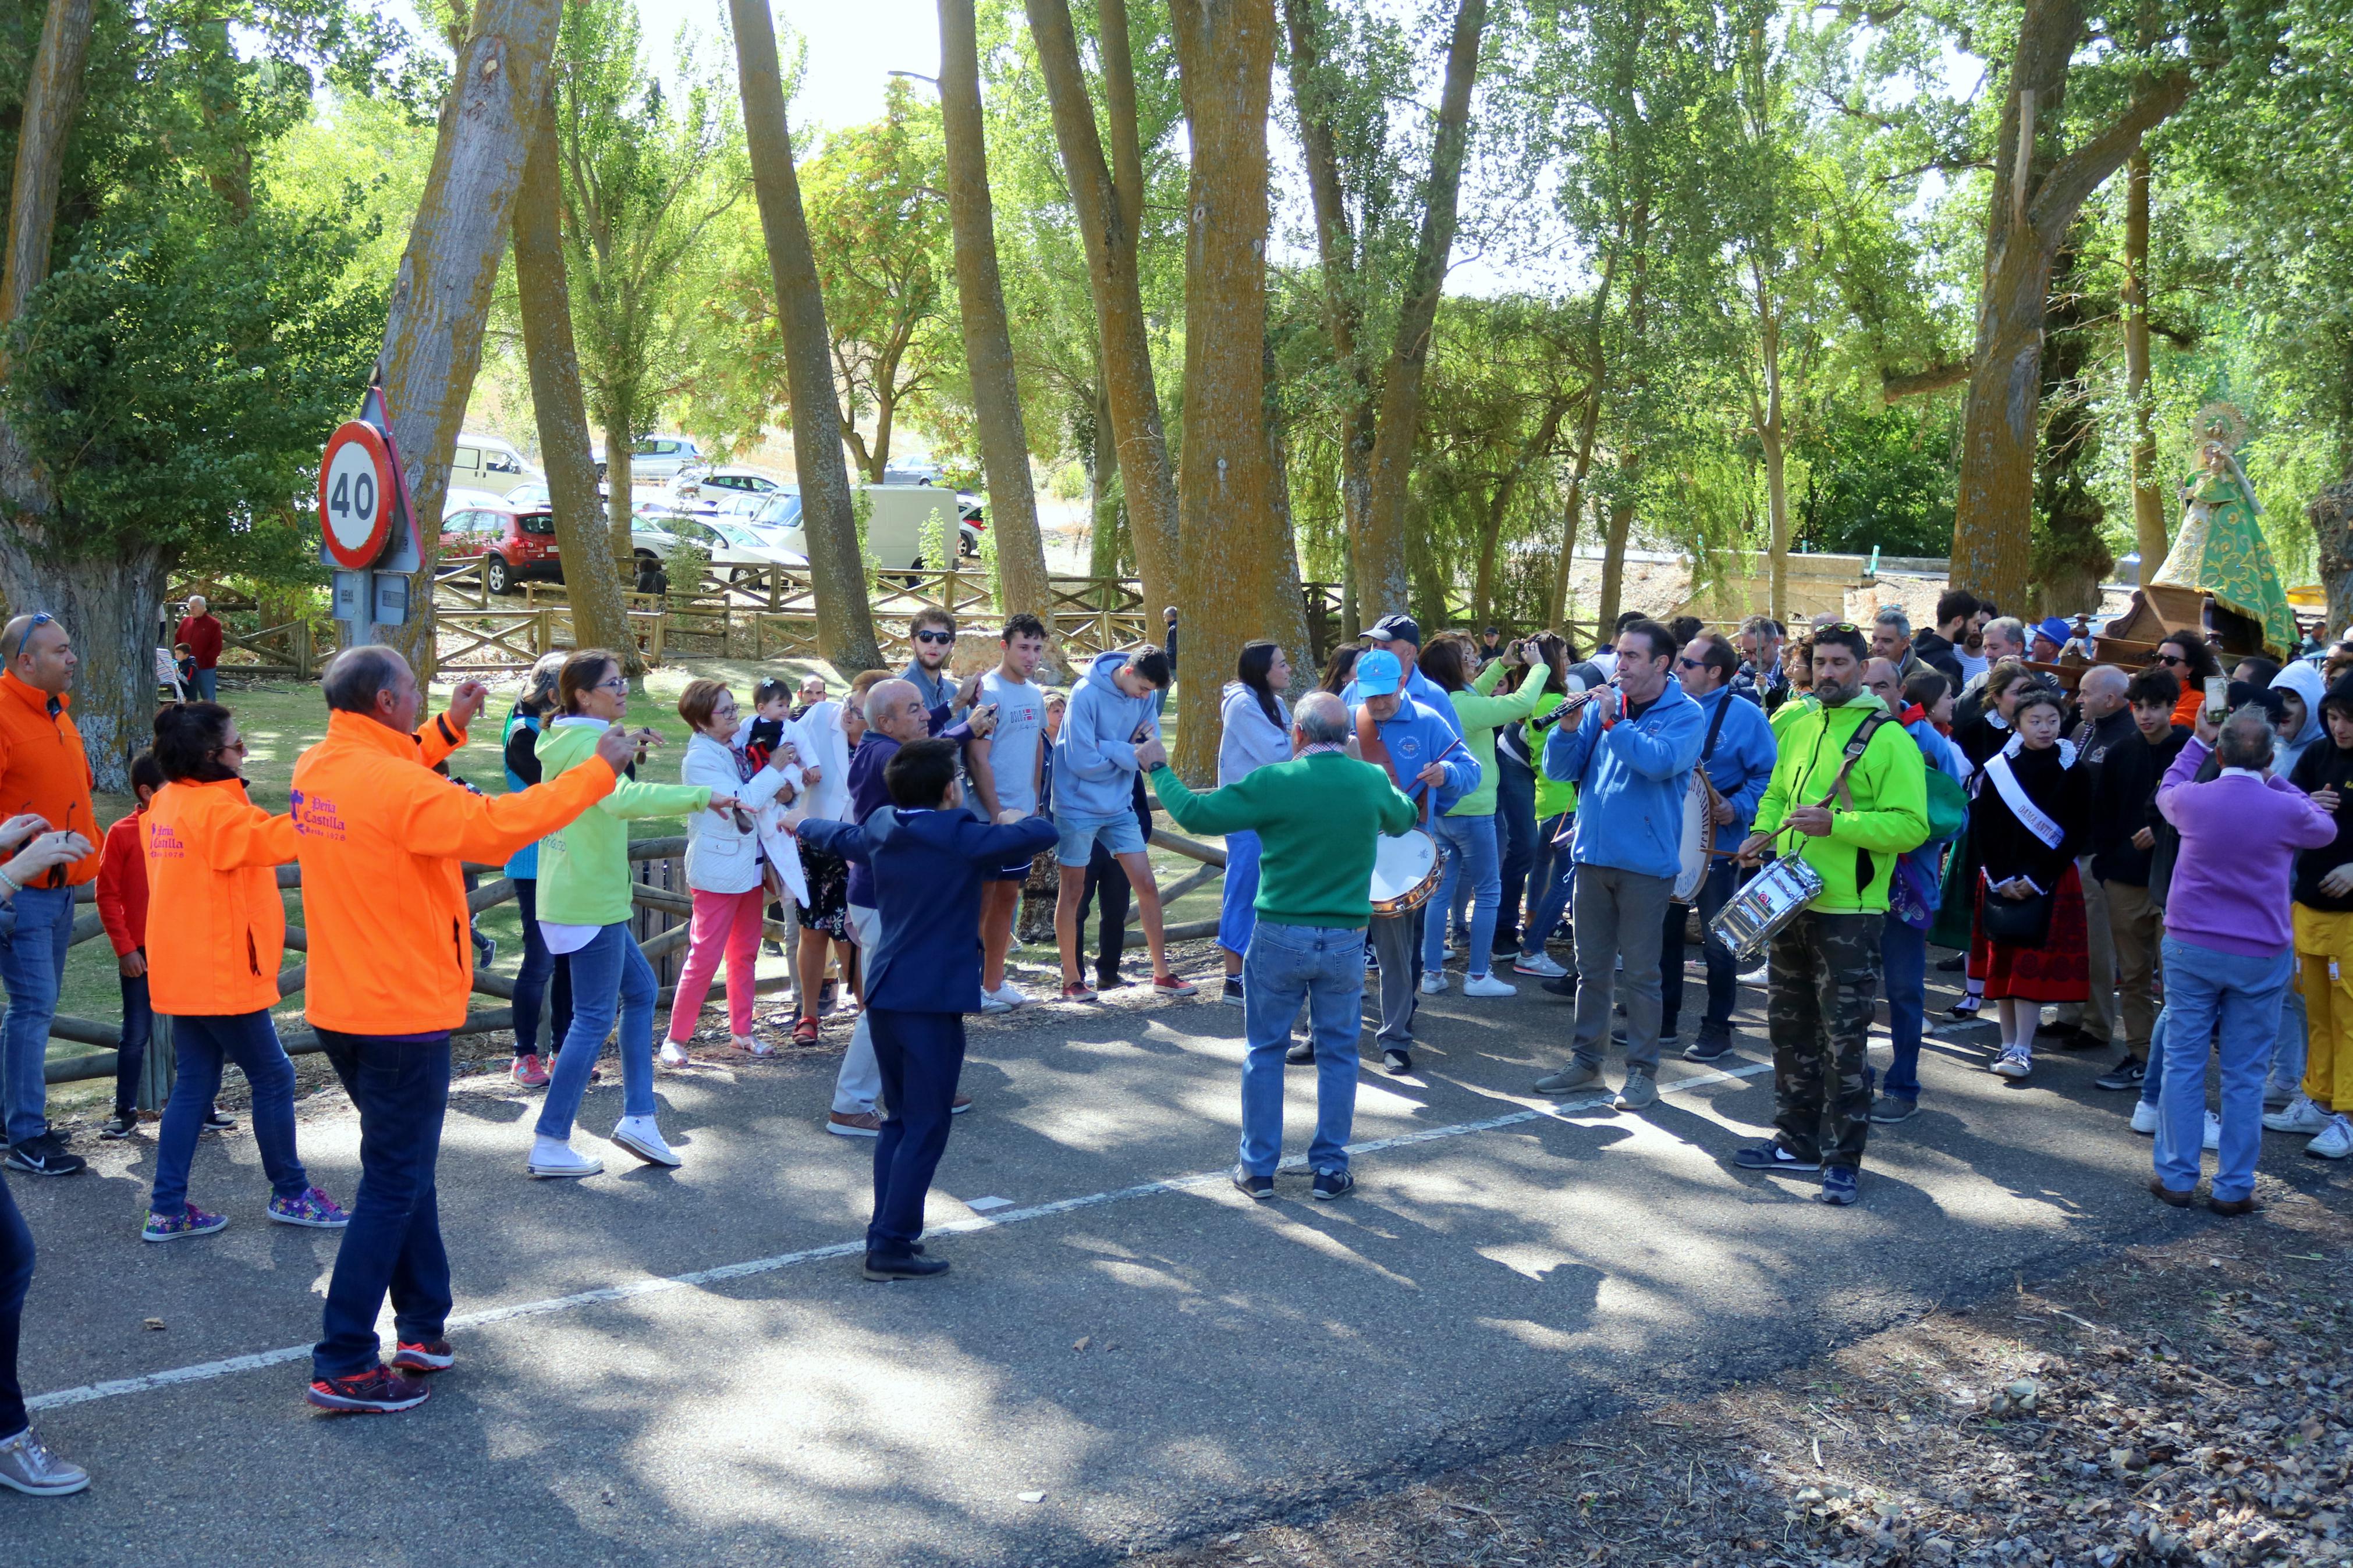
[{"x": 1378, "y": 673}]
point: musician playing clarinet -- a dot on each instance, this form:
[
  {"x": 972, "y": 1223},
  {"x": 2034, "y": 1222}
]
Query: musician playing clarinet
[
  {"x": 1849, "y": 795},
  {"x": 1428, "y": 761},
  {"x": 1318, "y": 817}
]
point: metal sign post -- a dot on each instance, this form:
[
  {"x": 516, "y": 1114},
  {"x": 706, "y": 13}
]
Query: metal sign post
[{"x": 367, "y": 528}]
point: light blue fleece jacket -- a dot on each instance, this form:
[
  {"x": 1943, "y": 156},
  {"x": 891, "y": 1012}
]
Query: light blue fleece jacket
[
  {"x": 1249, "y": 740},
  {"x": 1094, "y": 758},
  {"x": 1742, "y": 763},
  {"x": 1631, "y": 779},
  {"x": 1416, "y": 735}
]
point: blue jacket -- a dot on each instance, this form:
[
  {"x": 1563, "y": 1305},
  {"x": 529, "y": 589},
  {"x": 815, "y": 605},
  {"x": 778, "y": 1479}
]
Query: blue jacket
[
  {"x": 1630, "y": 781},
  {"x": 1742, "y": 763},
  {"x": 1416, "y": 735},
  {"x": 926, "y": 867},
  {"x": 1094, "y": 759},
  {"x": 1422, "y": 690}
]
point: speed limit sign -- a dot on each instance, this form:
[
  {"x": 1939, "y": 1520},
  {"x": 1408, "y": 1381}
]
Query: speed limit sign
[{"x": 358, "y": 504}]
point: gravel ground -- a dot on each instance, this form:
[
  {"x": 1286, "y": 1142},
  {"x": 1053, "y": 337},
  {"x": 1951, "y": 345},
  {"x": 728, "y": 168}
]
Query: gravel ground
[{"x": 2183, "y": 1402}]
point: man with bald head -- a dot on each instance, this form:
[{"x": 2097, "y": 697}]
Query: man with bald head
[
  {"x": 1319, "y": 818},
  {"x": 202, "y": 632},
  {"x": 2120, "y": 924},
  {"x": 44, "y": 772}
]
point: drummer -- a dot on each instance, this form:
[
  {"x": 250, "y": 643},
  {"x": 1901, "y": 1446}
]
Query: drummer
[
  {"x": 1428, "y": 761},
  {"x": 1851, "y": 786},
  {"x": 1318, "y": 817}
]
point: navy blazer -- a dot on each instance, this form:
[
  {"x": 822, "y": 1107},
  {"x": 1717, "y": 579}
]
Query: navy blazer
[{"x": 927, "y": 868}]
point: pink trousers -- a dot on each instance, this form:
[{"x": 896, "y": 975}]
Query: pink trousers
[{"x": 728, "y": 923}]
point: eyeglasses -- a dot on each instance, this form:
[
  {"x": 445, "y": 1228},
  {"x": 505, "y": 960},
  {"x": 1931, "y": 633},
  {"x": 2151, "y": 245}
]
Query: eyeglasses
[
  {"x": 936, "y": 636},
  {"x": 41, "y": 619},
  {"x": 1691, "y": 664},
  {"x": 611, "y": 686},
  {"x": 2162, "y": 658}
]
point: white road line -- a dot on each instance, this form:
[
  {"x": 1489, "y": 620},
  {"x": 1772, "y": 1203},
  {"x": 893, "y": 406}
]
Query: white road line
[{"x": 202, "y": 1372}]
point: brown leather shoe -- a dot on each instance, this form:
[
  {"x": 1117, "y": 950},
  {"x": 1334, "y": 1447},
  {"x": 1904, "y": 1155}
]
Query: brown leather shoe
[
  {"x": 864, "y": 1124},
  {"x": 2166, "y": 1194},
  {"x": 2231, "y": 1208}
]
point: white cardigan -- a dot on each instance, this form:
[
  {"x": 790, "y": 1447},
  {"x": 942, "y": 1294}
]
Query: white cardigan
[{"x": 720, "y": 858}]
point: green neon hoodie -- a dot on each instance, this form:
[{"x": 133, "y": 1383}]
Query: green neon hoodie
[{"x": 584, "y": 870}]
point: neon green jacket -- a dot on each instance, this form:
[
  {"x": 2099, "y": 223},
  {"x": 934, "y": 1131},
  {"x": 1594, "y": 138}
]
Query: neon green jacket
[
  {"x": 584, "y": 870},
  {"x": 1856, "y": 859},
  {"x": 1481, "y": 716}
]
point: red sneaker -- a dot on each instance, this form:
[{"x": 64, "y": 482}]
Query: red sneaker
[
  {"x": 1077, "y": 991},
  {"x": 529, "y": 1071},
  {"x": 427, "y": 1355},
  {"x": 376, "y": 1390},
  {"x": 1169, "y": 985}
]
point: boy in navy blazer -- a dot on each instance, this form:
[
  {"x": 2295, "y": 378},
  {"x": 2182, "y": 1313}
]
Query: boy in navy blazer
[{"x": 929, "y": 857}]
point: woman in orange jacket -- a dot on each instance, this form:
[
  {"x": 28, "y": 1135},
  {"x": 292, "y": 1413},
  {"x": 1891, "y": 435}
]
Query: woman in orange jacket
[{"x": 216, "y": 932}]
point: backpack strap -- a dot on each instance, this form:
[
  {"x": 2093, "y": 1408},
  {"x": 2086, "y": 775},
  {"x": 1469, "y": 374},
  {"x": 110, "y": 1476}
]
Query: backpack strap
[{"x": 1856, "y": 745}]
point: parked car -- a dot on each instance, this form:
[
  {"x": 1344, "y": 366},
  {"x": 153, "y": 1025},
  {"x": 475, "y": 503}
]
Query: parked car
[
  {"x": 736, "y": 548},
  {"x": 657, "y": 459},
  {"x": 910, "y": 471},
  {"x": 894, "y": 525},
  {"x": 488, "y": 463},
  {"x": 514, "y": 542}
]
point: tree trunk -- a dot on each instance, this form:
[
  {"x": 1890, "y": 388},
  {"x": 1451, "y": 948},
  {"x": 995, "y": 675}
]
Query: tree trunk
[
  {"x": 1021, "y": 584},
  {"x": 2148, "y": 499},
  {"x": 620, "y": 483},
  {"x": 845, "y": 621},
  {"x": 433, "y": 334},
  {"x": 1288, "y": 621},
  {"x": 1104, "y": 544},
  {"x": 1231, "y": 540},
  {"x": 2031, "y": 206},
  {"x": 1382, "y": 582},
  {"x": 2069, "y": 560},
  {"x": 583, "y": 536},
  {"x": 1770, "y": 437},
  {"x": 1109, "y": 211},
  {"x": 1596, "y": 381},
  {"x": 2331, "y": 514},
  {"x": 1571, "y": 510},
  {"x": 51, "y": 104},
  {"x": 1629, "y": 454},
  {"x": 1491, "y": 532}
]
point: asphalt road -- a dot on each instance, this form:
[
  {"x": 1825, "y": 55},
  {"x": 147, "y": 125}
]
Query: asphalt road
[{"x": 686, "y": 1367}]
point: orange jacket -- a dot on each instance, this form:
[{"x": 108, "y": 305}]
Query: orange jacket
[
  {"x": 216, "y": 922},
  {"x": 43, "y": 768},
  {"x": 381, "y": 836}
]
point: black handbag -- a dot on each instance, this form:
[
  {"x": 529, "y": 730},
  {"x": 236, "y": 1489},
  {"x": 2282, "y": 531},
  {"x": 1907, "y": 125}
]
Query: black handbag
[{"x": 2022, "y": 921}]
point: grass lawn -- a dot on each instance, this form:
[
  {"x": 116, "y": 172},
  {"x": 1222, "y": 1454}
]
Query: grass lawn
[{"x": 281, "y": 720}]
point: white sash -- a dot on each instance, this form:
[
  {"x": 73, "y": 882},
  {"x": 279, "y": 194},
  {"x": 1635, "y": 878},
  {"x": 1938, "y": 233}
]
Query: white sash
[{"x": 2038, "y": 821}]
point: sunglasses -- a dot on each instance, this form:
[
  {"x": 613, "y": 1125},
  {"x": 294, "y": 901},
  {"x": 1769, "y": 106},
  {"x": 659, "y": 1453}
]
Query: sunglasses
[
  {"x": 41, "y": 619},
  {"x": 936, "y": 636},
  {"x": 1691, "y": 664},
  {"x": 2167, "y": 659}
]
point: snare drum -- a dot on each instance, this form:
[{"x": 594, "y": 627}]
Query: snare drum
[
  {"x": 1405, "y": 871},
  {"x": 1772, "y": 900}
]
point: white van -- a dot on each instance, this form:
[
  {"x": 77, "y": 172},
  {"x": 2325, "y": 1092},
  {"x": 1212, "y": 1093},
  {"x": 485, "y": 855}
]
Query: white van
[
  {"x": 488, "y": 463},
  {"x": 895, "y": 522}
]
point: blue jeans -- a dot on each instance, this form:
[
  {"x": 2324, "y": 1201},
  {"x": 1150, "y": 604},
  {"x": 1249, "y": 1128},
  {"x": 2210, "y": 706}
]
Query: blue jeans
[
  {"x": 393, "y": 1245},
  {"x": 1469, "y": 844},
  {"x": 1714, "y": 891},
  {"x": 608, "y": 975},
  {"x": 1904, "y": 967},
  {"x": 138, "y": 1028},
  {"x": 2152, "y": 1083},
  {"x": 2204, "y": 986},
  {"x": 1324, "y": 967},
  {"x": 1237, "y": 912},
  {"x": 33, "y": 968},
  {"x": 533, "y": 975},
  {"x": 1515, "y": 841},
  {"x": 919, "y": 1056},
  {"x": 1552, "y": 877},
  {"x": 208, "y": 685},
  {"x": 201, "y": 1044}
]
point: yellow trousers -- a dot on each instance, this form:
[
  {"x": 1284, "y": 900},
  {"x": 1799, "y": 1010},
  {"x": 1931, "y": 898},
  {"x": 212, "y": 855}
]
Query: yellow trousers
[{"x": 2324, "y": 950}]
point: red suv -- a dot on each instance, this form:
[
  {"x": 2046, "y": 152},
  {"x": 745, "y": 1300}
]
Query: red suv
[{"x": 514, "y": 542}]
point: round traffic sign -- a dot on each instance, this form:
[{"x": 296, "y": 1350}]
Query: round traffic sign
[{"x": 356, "y": 495}]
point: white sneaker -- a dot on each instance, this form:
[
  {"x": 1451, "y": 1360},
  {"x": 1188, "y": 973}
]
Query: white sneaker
[
  {"x": 2336, "y": 1140},
  {"x": 1488, "y": 986},
  {"x": 642, "y": 1137},
  {"x": 555, "y": 1157},
  {"x": 672, "y": 1055},
  {"x": 2213, "y": 1140},
  {"x": 990, "y": 1002},
  {"x": 1012, "y": 996},
  {"x": 2144, "y": 1120},
  {"x": 2014, "y": 1063},
  {"x": 1543, "y": 965},
  {"x": 2301, "y": 1116},
  {"x": 1433, "y": 982},
  {"x": 1753, "y": 974}
]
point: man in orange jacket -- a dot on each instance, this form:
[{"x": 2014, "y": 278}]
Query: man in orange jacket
[
  {"x": 381, "y": 839},
  {"x": 43, "y": 771}
]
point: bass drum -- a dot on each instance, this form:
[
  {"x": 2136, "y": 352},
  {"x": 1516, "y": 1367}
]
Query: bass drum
[{"x": 1406, "y": 869}]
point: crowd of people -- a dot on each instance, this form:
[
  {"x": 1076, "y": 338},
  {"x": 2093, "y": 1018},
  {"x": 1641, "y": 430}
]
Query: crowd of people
[{"x": 2130, "y": 850}]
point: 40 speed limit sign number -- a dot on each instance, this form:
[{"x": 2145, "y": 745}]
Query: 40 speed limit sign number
[{"x": 357, "y": 499}]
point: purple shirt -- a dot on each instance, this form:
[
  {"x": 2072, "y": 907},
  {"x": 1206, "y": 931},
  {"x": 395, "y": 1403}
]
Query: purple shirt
[
  {"x": 2240, "y": 835},
  {"x": 868, "y": 794}
]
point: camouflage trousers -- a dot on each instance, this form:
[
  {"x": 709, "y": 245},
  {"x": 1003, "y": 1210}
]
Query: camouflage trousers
[{"x": 1822, "y": 984}]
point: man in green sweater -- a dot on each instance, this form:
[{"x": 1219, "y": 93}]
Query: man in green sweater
[{"x": 1318, "y": 817}]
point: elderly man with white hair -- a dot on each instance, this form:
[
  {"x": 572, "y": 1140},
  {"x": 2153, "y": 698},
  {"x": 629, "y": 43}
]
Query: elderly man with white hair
[
  {"x": 1319, "y": 818},
  {"x": 202, "y": 632}
]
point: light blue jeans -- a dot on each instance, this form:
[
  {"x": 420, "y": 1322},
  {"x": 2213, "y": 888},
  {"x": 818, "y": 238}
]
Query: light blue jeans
[
  {"x": 1469, "y": 845},
  {"x": 1238, "y": 911},
  {"x": 608, "y": 975},
  {"x": 1324, "y": 967},
  {"x": 1550, "y": 881},
  {"x": 2204, "y": 984},
  {"x": 33, "y": 968}
]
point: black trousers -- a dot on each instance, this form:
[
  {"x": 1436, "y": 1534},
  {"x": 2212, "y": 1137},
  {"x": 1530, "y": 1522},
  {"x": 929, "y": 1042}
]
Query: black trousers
[
  {"x": 1107, "y": 876},
  {"x": 920, "y": 1055},
  {"x": 16, "y": 1278}
]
